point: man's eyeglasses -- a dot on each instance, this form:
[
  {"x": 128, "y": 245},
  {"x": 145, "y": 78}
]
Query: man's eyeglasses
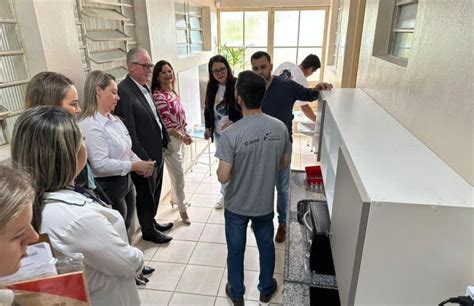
[
  {"x": 219, "y": 71},
  {"x": 144, "y": 66}
]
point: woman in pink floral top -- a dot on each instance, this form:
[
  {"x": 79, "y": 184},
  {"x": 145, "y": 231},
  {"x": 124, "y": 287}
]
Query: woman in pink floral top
[{"x": 171, "y": 111}]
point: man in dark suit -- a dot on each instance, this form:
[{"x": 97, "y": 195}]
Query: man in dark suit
[{"x": 149, "y": 138}]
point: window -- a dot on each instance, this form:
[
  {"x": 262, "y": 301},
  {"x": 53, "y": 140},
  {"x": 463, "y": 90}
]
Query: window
[
  {"x": 188, "y": 28},
  {"x": 106, "y": 32},
  {"x": 298, "y": 34},
  {"x": 337, "y": 43},
  {"x": 403, "y": 27},
  {"x": 14, "y": 75},
  {"x": 291, "y": 35},
  {"x": 247, "y": 29}
]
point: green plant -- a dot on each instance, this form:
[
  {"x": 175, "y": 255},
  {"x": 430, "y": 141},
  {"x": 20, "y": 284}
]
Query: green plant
[{"x": 234, "y": 55}]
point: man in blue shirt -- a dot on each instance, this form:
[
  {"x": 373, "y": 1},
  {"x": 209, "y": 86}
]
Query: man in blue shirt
[{"x": 280, "y": 96}]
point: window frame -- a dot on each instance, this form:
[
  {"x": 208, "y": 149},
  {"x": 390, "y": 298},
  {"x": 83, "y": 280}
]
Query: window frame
[
  {"x": 189, "y": 28},
  {"x": 271, "y": 29},
  {"x": 8, "y": 116},
  {"x": 398, "y": 4}
]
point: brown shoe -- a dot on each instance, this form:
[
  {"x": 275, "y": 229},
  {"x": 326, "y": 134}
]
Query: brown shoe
[{"x": 281, "y": 233}]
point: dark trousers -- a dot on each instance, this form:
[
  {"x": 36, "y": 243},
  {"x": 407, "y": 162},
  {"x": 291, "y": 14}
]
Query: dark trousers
[
  {"x": 148, "y": 197},
  {"x": 121, "y": 192}
]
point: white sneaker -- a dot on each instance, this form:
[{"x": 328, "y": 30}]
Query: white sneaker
[{"x": 220, "y": 201}]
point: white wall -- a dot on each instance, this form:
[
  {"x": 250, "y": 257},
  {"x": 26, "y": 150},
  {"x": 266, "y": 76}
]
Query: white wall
[
  {"x": 50, "y": 38},
  {"x": 433, "y": 96}
]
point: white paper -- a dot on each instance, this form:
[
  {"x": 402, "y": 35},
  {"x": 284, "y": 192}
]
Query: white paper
[{"x": 38, "y": 263}]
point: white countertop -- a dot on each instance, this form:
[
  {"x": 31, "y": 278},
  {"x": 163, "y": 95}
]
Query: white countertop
[{"x": 393, "y": 165}]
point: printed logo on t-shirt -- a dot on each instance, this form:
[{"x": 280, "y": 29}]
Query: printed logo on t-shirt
[
  {"x": 268, "y": 136},
  {"x": 221, "y": 110}
]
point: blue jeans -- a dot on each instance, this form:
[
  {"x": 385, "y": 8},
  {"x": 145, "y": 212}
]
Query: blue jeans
[
  {"x": 236, "y": 236},
  {"x": 282, "y": 186}
]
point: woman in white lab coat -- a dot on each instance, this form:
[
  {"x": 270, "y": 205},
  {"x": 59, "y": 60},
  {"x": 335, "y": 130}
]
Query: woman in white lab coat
[{"x": 48, "y": 142}]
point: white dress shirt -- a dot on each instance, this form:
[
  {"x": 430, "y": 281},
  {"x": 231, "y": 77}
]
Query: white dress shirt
[
  {"x": 77, "y": 224},
  {"x": 109, "y": 146},
  {"x": 148, "y": 98}
]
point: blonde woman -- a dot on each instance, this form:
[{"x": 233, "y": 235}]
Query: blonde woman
[
  {"x": 16, "y": 201},
  {"x": 16, "y": 211},
  {"x": 47, "y": 141},
  {"x": 109, "y": 146},
  {"x": 52, "y": 88},
  {"x": 171, "y": 110}
]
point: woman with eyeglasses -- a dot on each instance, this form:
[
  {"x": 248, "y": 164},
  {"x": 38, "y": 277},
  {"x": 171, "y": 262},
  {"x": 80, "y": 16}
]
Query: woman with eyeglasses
[
  {"x": 48, "y": 142},
  {"x": 220, "y": 106},
  {"x": 171, "y": 110}
]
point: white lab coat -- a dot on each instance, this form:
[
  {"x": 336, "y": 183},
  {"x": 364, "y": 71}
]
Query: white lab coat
[{"x": 77, "y": 224}]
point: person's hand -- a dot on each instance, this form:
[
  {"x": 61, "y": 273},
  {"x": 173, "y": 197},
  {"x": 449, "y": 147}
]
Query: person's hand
[
  {"x": 207, "y": 133},
  {"x": 323, "y": 86},
  {"x": 226, "y": 125},
  {"x": 143, "y": 168},
  {"x": 187, "y": 140}
]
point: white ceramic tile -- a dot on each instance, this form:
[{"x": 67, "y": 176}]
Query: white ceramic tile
[
  {"x": 194, "y": 177},
  {"x": 177, "y": 251},
  {"x": 209, "y": 254},
  {"x": 213, "y": 233},
  {"x": 166, "y": 212},
  {"x": 221, "y": 301},
  {"x": 204, "y": 200},
  {"x": 200, "y": 279},
  {"x": 279, "y": 260},
  {"x": 166, "y": 276},
  {"x": 154, "y": 297},
  {"x": 189, "y": 188},
  {"x": 199, "y": 214},
  {"x": 251, "y": 260},
  {"x": 217, "y": 216},
  {"x": 191, "y": 299},
  {"x": 210, "y": 178},
  {"x": 208, "y": 188},
  {"x": 149, "y": 248},
  {"x": 200, "y": 168},
  {"x": 187, "y": 232}
]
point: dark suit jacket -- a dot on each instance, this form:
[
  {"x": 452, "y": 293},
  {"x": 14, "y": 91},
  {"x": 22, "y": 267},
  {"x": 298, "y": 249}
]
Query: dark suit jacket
[{"x": 140, "y": 121}]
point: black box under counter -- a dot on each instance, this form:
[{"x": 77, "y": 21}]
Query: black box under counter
[{"x": 297, "y": 277}]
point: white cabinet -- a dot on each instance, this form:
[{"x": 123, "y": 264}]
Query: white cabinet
[{"x": 402, "y": 220}]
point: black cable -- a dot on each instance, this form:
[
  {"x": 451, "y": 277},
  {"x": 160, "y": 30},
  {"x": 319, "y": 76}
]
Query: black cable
[{"x": 461, "y": 300}]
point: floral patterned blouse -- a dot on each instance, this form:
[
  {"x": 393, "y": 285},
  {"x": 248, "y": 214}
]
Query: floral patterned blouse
[{"x": 171, "y": 109}]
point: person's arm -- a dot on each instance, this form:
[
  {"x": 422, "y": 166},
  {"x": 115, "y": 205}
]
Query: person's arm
[
  {"x": 124, "y": 110},
  {"x": 285, "y": 158},
  {"x": 302, "y": 93},
  {"x": 308, "y": 111},
  {"x": 224, "y": 171},
  {"x": 225, "y": 153},
  {"x": 102, "y": 246},
  {"x": 98, "y": 151}
]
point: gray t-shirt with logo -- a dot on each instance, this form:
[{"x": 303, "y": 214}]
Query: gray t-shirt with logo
[{"x": 254, "y": 146}]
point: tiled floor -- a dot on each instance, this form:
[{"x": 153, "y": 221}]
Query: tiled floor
[{"x": 191, "y": 269}]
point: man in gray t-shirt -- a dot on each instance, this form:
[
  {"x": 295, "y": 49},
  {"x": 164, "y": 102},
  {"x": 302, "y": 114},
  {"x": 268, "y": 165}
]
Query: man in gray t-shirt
[{"x": 250, "y": 153}]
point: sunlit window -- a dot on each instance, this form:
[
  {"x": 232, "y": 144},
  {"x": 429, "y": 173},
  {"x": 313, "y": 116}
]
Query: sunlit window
[{"x": 403, "y": 27}]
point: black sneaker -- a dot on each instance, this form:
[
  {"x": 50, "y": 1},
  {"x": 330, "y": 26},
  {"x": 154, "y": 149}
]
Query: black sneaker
[
  {"x": 266, "y": 298},
  {"x": 235, "y": 302}
]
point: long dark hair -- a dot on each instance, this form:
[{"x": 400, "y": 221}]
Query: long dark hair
[
  {"x": 155, "y": 80},
  {"x": 213, "y": 84}
]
